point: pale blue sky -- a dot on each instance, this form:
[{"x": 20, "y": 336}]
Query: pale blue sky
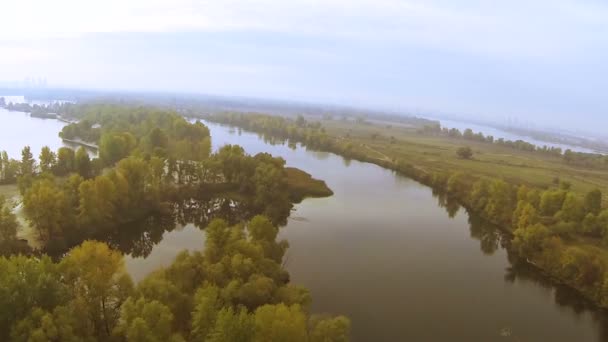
[{"x": 540, "y": 61}]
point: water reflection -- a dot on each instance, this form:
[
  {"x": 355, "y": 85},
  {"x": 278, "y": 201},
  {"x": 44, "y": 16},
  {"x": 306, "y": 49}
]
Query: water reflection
[
  {"x": 491, "y": 238},
  {"x": 138, "y": 239}
]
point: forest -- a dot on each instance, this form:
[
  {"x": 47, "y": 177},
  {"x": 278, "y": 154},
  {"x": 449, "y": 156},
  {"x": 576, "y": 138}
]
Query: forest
[
  {"x": 553, "y": 225},
  {"x": 153, "y": 168}
]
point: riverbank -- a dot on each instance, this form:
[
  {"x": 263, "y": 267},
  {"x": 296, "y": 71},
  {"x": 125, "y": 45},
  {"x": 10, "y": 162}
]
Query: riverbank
[{"x": 576, "y": 260}]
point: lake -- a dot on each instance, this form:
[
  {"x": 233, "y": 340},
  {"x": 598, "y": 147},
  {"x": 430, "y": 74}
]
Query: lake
[
  {"x": 18, "y": 129},
  {"x": 399, "y": 261}
]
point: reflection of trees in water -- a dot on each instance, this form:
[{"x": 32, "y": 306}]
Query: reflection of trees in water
[
  {"x": 448, "y": 203},
  {"x": 488, "y": 234},
  {"x": 202, "y": 211},
  {"x": 491, "y": 237},
  {"x": 139, "y": 238}
]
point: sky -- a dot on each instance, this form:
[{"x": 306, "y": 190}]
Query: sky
[{"x": 542, "y": 62}]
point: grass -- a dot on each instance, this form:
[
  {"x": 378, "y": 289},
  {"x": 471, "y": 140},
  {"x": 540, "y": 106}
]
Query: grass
[
  {"x": 302, "y": 185},
  {"x": 438, "y": 154},
  {"x": 9, "y": 191}
]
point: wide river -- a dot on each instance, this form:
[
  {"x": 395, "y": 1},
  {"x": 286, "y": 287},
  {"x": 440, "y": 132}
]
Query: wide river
[{"x": 385, "y": 253}]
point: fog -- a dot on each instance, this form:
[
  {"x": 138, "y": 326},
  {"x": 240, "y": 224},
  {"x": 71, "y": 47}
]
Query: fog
[{"x": 540, "y": 64}]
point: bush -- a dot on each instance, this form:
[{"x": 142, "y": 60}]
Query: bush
[{"x": 464, "y": 152}]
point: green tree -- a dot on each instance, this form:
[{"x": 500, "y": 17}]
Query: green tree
[
  {"x": 529, "y": 240},
  {"x": 330, "y": 329},
  {"x": 572, "y": 209},
  {"x": 48, "y": 159},
  {"x": 43, "y": 326},
  {"x": 46, "y": 208},
  {"x": 27, "y": 283},
  {"x": 65, "y": 161},
  {"x": 116, "y": 146},
  {"x": 158, "y": 138},
  {"x": 82, "y": 163},
  {"x": 28, "y": 164},
  {"x": 464, "y": 152},
  {"x": 593, "y": 202},
  {"x": 207, "y": 306},
  {"x": 233, "y": 326},
  {"x": 145, "y": 321},
  {"x": 280, "y": 323},
  {"x": 551, "y": 202},
  {"x": 8, "y": 229},
  {"x": 97, "y": 277}
]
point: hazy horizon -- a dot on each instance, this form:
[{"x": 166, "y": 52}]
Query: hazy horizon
[{"x": 540, "y": 63}]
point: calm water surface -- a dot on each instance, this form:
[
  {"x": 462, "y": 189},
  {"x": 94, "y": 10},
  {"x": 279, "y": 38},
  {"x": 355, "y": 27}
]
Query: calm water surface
[
  {"x": 383, "y": 252},
  {"x": 18, "y": 129}
]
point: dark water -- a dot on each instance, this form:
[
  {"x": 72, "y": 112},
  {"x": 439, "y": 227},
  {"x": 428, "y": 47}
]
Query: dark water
[
  {"x": 384, "y": 252},
  {"x": 403, "y": 264}
]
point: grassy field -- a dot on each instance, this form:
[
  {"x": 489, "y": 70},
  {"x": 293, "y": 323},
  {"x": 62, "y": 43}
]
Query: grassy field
[{"x": 438, "y": 154}]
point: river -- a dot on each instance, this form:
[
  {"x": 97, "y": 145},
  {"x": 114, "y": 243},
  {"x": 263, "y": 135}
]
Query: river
[
  {"x": 384, "y": 252},
  {"x": 18, "y": 129}
]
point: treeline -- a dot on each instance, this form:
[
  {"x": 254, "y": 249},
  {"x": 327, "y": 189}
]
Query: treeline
[
  {"x": 300, "y": 130},
  {"x": 236, "y": 290},
  {"x": 469, "y": 135},
  {"x": 61, "y": 163},
  {"x": 588, "y": 160},
  {"x": 547, "y": 225},
  {"x": 47, "y": 111}
]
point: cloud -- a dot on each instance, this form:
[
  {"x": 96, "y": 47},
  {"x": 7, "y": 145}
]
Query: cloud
[
  {"x": 516, "y": 28},
  {"x": 516, "y": 57}
]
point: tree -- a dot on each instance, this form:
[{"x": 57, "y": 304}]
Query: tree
[
  {"x": 27, "y": 162},
  {"x": 48, "y": 159},
  {"x": 280, "y": 323},
  {"x": 551, "y": 202},
  {"x": 8, "y": 229},
  {"x": 27, "y": 283},
  {"x": 40, "y": 325},
  {"x": 525, "y": 215},
  {"x": 47, "y": 208},
  {"x": 207, "y": 305},
  {"x": 142, "y": 321},
  {"x": 65, "y": 161},
  {"x": 158, "y": 138},
  {"x": 464, "y": 152},
  {"x": 593, "y": 202},
  {"x": 116, "y": 146},
  {"x": 97, "y": 277},
  {"x": 529, "y": 240},
  {"x": 572, "y": 209},
  {"x": 330, "y": 329},
  {"x": 82, "y": 163},
  {"x": 233, "y": 326},
  {"x": 501, "y": 203}
]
